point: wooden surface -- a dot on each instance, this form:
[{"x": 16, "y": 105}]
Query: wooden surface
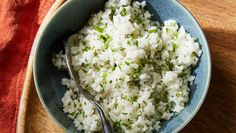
[
  {"x": 32, "y": 118},
  {"x": 218, "y": 113}
]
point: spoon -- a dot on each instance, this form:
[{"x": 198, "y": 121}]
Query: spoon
[{"x": 106, "y": 125}]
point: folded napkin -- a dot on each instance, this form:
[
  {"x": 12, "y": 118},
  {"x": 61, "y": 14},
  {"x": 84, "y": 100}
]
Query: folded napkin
[{"x": 19, "y": 22}]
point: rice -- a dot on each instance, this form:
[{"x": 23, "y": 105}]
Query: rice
[{"x": 138, "y": 69}]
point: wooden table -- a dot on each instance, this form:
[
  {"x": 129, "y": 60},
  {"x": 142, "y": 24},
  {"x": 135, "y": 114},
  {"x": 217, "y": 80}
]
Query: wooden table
[{"x": 218, "y": 113}]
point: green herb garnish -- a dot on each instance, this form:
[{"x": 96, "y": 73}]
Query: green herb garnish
[
  {"x": 164, "y": 96},
  {"x": 168, "y": 30},
  {"x": 181, "y": 75},
  {"x": 123, "y": 12},
  {"x": 174, "y": 46},
  {"x": 106, "y": 40},
  {"x": 152, "y": 31},
  {"x": 117, "y": 126},
  {"x": 128, "y": 126},
  {"x": 115, "y": 104},
  {"x": 99, "y": 29},
  {"x": 112, "y": 14},
  {"x": 124, "y": 113},
  {"x": 179, "y": 93},
  {"x": 86, "y": 49},
  {"x": 170, "y": 65},
  {"x": 194, "y": 54},
  {"x": 104, "y": 75},
  {"x": 127, "y": 63},
  {"x": 136, "y": 43},
  {"x": 133, "y": 99},
  {"x": 110, "y": 81}
]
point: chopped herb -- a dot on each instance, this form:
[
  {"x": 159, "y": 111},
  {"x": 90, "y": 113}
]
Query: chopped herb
[
  {"x": 106, "y": 45},
  {"x": 194, "y": 54},
  {"x": 152, "y": 31},
  {"x": 119, "y": 66},
  {"x": 174, "y": 46},
  {"x": 171, "y": 105},
  {"x": 170, "y": 65},
  {"x": 124, "y": 113},
  {"x": 83, "y": 113},
  {"x": 128, "y": 126},
  {"x": 123, "y": 97},
  {"x": 113, "y": 50},
  {"x": 122, "y": 49},
  {"x": 136, "y": 43},
  {"x": 95, "y": 53},
  {"x": 117, "y": 126},
  {"x": 103, "y": 38},
  {"x": 84, "y": 65},
  {"x": 115, "y": 104},
  {"x": 83, "y": 70},
  {"x": 138, "y": 20},
  {"x": 72, "y": 113},
  {"x": 104, "y": 75},
  {"x": 133, "y": 82},
  {"x": 133, "y": 99},
  {"x": 99, "y": 29},
  {"x": 101, "y": 85},
  {"x": 168, "y": 30},
  {"x": 157, "y": 99},
  {"x": 83, "y": 42},
  {"x": 75, "y": 116},
  {"x": 144, "y": 102},
  {"x": 176, "y": 35},
  {"x": 113, "y": 69},
  {"x": 110, "y": 81},
  {"x": 117, "y": 86},
  {"x": 106, "y": 40},
  {"x": 132, "y": 36},
  {"x": 181, "y": 75},
  {"x": 127, "y": 63},
  {"x": 128, "y": 42},
  {"x": 179, "y": 93},
  {"x": 164, "y": 96},
  {"x": 123, "y": 12},
  {"x": 86, "y": 48},
  {"x": 122, "y": 79},
  {"x": 112, "y": 14}
]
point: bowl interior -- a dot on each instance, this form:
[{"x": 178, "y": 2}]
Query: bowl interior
[{"x": 71, "y": 17}]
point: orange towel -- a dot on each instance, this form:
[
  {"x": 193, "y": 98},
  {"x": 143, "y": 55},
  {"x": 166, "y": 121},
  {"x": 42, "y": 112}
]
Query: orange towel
[{"x": 19, "y": 22}]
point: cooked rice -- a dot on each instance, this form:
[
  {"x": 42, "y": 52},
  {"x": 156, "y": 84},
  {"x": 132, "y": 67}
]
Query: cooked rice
[{"x": 138, "y": 69}]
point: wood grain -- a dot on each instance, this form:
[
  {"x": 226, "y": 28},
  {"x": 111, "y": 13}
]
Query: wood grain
[
  {"x": 218, "y": 113},
  {"x": 218, "y": 21}
]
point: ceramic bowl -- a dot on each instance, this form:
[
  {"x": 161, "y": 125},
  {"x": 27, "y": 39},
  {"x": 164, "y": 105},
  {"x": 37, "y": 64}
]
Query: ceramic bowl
[{"x": 71, "y": 17}]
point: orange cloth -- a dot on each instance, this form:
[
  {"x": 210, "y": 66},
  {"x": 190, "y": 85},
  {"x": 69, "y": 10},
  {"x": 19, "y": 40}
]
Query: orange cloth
[{"x": 19, "y": 22}]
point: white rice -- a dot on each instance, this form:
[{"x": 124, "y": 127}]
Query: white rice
[{"x": 137, "y": 69}]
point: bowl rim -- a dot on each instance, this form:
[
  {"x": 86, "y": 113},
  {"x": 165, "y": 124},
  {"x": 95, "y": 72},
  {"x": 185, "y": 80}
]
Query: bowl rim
[
  {"x": 208, "y": 79},
  {"x": 177, "y": 3}
]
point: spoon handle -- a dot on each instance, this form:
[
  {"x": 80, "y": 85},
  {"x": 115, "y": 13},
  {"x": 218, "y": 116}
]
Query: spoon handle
[{"x": 106, "y": 125}]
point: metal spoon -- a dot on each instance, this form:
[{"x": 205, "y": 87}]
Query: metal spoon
[{"x": 106, "y": 125}]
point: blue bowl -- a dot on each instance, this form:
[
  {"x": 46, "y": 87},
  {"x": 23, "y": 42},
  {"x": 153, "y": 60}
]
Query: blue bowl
[{"x": 71, "y": 17}]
